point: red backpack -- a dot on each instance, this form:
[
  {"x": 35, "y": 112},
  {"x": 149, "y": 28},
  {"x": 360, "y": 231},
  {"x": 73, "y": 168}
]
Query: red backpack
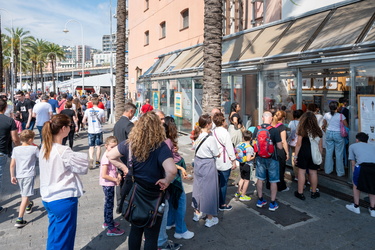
[{"x": 263, "y": 145}]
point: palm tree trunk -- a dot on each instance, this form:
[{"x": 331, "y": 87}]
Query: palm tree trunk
[
  {"x": 213, "y": 26},
  {"x": 1, "y": 62},
  {"x": 120, "y": 58},
  {"x": 41, "y": 79},
  {"x": 53, "y": 77}
]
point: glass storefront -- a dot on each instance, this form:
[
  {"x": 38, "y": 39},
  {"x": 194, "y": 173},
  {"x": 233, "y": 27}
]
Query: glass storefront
[{"x": 363, "y": 99}]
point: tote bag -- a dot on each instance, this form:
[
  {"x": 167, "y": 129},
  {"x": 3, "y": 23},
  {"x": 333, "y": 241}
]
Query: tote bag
[{"x": 315, "y": 152}]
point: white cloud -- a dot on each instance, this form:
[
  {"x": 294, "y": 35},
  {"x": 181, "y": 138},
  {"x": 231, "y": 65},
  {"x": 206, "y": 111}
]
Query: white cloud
[{"x": 46, "y": 19}]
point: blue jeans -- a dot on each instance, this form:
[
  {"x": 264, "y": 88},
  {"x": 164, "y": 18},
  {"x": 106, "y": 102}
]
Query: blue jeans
[
  {"x": 334, "y": 142},
  {"x": 40, "y": 132},
  {"x": 264, "y": 165},
  {"x": 109, "y": 199},
  {"x": 3, "y": 163},
  {"x": 223, "y": 181},
  {"x": 163, "y": 236},
  {"x": 177, "y": 216},
  {"x": 31, "y": 127},
  {"x": 62, "y": 215}
]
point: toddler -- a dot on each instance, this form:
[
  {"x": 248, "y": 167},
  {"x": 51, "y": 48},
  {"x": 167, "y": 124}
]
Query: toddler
[{"x": 23, "y": 164}]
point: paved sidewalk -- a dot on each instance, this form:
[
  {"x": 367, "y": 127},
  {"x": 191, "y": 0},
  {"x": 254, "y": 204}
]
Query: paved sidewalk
[{"x": 323, "y": 223}]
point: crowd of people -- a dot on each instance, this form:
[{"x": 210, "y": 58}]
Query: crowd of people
[{"x": 143, "y": 152}]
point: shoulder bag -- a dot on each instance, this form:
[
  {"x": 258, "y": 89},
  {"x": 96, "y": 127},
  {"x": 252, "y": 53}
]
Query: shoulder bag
[
  {"x": 142, "y": 206},
  {"x": 315, "y": 152},
  {"x": 343, "y": 131}
]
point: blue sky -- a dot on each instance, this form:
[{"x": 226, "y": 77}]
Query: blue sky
[{"x": 46, "y": 19}]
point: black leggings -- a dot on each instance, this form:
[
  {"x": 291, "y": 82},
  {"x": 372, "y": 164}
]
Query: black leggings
[
  {"x": 70, "y": 137},
  {"x": 151, "y": 236}
]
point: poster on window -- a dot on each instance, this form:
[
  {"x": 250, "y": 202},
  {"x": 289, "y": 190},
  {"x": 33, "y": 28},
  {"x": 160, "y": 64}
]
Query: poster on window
[
  {"x": 366, "y": 116},
  {"x": 306, "y": 83},
  {"x": 178, "y": 104},
  {"x": 318, "y": 83},
  {"x": 156, "y": 99},
  {"x": 331, "y": 82}
]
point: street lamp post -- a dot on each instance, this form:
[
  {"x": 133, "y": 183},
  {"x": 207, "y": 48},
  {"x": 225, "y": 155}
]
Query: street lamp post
[
  {"x": 111, "y": 120},
  {"x": 83, "y": 51},
  {"x": 11, "y": 58},
  {"x": 74, "y": 66},
  {"x": 20, "y": 61}
]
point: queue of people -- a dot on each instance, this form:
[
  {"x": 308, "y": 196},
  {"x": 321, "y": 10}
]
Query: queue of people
[{"x": 146, "y": 154}]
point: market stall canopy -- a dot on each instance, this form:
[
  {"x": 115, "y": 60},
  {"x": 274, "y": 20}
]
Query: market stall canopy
[{"x": 92, "y": 82}]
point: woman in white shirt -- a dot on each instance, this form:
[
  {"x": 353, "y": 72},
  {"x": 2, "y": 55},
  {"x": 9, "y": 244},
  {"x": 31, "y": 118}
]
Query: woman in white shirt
[
  {"x": 227, "y": 160},
  {"x": 60, "y": 186},
  {"x": 205, "y": 186},
  {"x": 334, "y": 141}
]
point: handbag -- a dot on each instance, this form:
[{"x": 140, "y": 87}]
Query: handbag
[
  {"x": 315, "y": 152},
  {"x": 343, "y": 131},
  {"x": 142, "y": 206},
  {"x": 292, "y": 139}
]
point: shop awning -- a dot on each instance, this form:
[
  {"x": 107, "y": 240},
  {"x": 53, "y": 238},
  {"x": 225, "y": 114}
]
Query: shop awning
[
  {"x": 297, "y": 36},
  {"x": 234, "y": 48},
  {"x": 345, "y": 25},
  {"x": 333, "y": 29},
  {"x": 193, "y": 59}
]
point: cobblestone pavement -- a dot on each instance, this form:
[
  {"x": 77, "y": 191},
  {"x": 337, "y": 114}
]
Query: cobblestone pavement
[{"x": 323, "y": 223}]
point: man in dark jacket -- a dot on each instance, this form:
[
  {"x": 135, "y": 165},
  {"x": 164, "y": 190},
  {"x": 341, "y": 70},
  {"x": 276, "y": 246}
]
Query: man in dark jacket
[{"x": 121, "y": 131}]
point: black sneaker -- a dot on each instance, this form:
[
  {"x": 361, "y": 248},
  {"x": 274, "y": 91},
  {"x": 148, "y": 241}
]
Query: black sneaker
[
  {"x": 299, "y": 196},
  {"x": 170, "y": 245},
  {"x": 20, "y": 223},
  {"x": 29, "y": 207},
  {"x": 315, "y": 195}
]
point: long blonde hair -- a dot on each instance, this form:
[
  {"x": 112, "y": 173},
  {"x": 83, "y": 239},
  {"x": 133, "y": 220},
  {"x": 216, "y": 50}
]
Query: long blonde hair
[
  {"x": 52, "y": 128},
  {"x": 147, "y": 135}
]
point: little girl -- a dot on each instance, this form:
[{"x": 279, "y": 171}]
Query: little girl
[
  {"x": 109, "y": 178},
  {"x": 17, "y": 120}
]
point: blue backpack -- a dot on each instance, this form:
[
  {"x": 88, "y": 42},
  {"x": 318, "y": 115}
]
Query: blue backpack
[{"x": 240, "y": 151}]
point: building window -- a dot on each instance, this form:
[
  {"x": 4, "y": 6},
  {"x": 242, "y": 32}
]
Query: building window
[
  {"x": 185, "y": 19},
  {"x": 146, "y": 4},
  {"x": 147, "y": 37},
  {"x": 163, "y": 31}
]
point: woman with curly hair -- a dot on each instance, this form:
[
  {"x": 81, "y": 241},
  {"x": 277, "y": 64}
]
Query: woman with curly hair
[
  {"x": 153, "y": 168},
  {"x": 206, "y": 184},
  {"x": 307, "y": 127},
  {"x": 177, "y": 199}
]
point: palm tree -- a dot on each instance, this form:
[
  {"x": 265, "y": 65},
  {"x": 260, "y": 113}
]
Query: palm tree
[
  {"x": 37, "y": 56},
  {"x": 120, "y": 58},
  {"x": 17, "y": 36},
  {"x": 213, "y": 31},
  {"x": 54, "y": 52},
  {"x": 6, "y": 66}
]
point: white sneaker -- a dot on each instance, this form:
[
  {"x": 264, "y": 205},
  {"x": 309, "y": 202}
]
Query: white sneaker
[
  {"x": 354, "y": 209},
  {"x": 285, "y": 190},
  {"x": 372, "y": 212},
  {"x": 212, "y": 222},
  {"x": 187, "y": 235},
  {"x": 197, "y": 217},
  {"x": 170, "y": 227}
]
